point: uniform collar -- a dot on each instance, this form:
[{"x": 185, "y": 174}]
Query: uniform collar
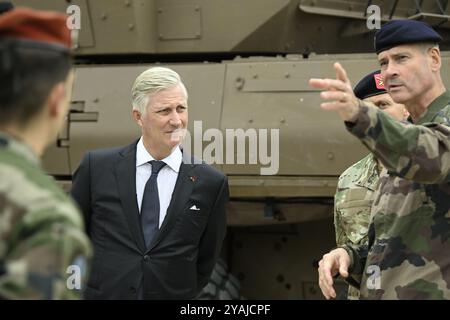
[
  {"x": 437, "y": 105},
  {"x": 18, "y": 147}
]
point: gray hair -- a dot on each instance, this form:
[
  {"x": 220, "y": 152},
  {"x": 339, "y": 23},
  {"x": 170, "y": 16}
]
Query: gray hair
[
  {"x": 425, "y": 46},
  {"x": 150, "y": 81}
]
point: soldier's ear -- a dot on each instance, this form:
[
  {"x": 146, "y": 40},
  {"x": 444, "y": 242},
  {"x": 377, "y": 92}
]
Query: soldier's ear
[
  {"x": 55, "y": 100},
  {"x": 435, "y": 58}
]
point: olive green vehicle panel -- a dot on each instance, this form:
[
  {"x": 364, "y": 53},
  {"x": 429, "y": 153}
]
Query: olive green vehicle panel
[{"x": 196, "y": 26}]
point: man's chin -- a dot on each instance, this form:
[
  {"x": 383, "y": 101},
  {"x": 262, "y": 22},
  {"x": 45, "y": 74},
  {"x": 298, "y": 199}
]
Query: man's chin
[
  {"x": 173, "y": 144},
  {"x": 398, "y": 97}
]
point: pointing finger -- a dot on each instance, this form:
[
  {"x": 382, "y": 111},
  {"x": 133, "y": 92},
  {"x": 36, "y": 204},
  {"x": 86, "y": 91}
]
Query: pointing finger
[
  {"x": 341, "y": 74},
  {"x": 318, "y": 83},
  {"x": 327, "y": 84}
]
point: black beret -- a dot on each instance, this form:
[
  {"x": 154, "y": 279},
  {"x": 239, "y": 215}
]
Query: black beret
[
  {"x": 371, "y": 85},
  {"x": 397, "y": 32}
]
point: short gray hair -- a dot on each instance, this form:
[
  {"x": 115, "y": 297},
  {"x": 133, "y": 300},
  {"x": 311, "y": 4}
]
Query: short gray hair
[
  {"x": 425, "y": 46},
  {"x": 153, "y": 80}
]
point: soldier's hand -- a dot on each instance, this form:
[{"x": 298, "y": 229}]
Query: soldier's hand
[
  {"x": 333, "y": 262},
  {"x": 338, "y": 93}
]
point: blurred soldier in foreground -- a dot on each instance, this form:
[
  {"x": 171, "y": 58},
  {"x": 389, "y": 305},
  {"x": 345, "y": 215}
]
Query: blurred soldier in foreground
[
  {"x": 407, "y": 256},
  {"x": 43, "y": 249},
  {"x": 356, "y": 186}
]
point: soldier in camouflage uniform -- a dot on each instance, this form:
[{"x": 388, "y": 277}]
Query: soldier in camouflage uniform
[
  {"x": 357, "y": 185},
  {"x": 43, "y": 249},
  {"x": 407, "y": 256}
]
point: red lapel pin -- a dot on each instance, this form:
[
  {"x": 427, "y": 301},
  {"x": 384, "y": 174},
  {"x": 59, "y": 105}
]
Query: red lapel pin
[{"x": 193, "y": 178}]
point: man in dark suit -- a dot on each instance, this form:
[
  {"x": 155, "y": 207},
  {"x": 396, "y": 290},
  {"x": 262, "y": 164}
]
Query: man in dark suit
[{"x": 157, "y": 219}]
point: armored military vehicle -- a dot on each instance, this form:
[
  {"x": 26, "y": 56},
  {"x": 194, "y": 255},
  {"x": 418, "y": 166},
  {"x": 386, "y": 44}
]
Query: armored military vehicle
[{"x": 246, "y": 65}]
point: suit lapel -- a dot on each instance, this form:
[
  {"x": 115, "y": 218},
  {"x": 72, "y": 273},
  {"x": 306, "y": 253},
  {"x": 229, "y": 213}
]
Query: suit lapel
[
  {"x": 180, "y": 196},
  {"x": 126, "y": 181}
]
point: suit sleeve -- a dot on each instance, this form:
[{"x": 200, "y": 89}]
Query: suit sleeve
[
  {"x": 212, "y": 239},
  {"x": 413, "y": 152},
  {"x": 81, "y": 189}
]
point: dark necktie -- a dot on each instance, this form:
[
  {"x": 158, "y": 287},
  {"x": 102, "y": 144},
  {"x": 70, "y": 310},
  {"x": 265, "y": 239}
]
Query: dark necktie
[{"x": 150, "y": 204}]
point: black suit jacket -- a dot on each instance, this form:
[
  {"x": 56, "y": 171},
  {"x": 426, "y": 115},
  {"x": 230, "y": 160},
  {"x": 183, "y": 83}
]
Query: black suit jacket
[{"x": 181, "y": 257}]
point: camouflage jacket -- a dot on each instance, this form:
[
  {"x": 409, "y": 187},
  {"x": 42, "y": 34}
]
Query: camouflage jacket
[
  {"x": 408, "y": 254},
  {"x": 352, "y": 203},
  {"x": 43, "y": 249}
]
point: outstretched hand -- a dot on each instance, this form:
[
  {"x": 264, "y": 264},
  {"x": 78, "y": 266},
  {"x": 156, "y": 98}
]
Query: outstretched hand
[{"x": 338, "y": 93}]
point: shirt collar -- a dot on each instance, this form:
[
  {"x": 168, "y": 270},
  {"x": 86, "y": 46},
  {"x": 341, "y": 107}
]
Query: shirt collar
[
  {"x": 437, "y": 105},
  {"x": 18, "y": 147},
  {"x": 143, "y": 156}
]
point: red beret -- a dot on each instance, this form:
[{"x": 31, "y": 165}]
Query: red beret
[{"x": 37, "y": 25}]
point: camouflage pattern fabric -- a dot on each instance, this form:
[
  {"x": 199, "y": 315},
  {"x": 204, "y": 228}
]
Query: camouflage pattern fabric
[
  {"x": 352, "y": 203},
  {"x": 408, "y": 255},
  {"x": 43, "y": 249}
]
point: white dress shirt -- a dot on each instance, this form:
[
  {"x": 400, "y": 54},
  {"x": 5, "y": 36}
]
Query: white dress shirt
[{"x": 167, "y": 177}]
